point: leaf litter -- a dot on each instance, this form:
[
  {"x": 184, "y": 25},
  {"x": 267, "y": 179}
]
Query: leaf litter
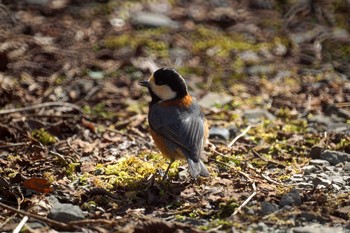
[{"x": 73, "y": 119}]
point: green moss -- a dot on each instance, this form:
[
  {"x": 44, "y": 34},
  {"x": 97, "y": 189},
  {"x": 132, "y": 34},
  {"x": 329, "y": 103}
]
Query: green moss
[
  {"x": 98, "y": 111},
  {"x": 227, "y": 208},
  {"x": 130, "y": 170},
  {"x": 43, "y": 136}
]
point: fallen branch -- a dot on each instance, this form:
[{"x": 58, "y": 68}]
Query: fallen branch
[
  {"x": 246, "y": 201},
  {"x": 50, "y": 222},
  {"x": 20, "y": 225},
  {"x": 42, "y": 105},
  {"x": 239, "y": 136}
]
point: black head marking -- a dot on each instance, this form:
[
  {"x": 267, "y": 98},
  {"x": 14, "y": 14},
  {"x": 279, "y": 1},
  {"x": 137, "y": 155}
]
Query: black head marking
[{"x": 167, "y": 76}]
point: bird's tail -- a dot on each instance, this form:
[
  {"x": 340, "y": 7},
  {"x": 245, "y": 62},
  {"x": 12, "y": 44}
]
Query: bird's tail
[{"x": 197, "y": 169}]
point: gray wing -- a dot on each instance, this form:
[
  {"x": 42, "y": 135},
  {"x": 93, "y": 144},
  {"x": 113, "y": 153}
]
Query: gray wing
[{"x": 185, "y": 128}]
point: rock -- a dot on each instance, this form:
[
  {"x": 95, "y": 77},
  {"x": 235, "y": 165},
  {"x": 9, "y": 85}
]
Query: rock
[
  {"x": 319, "y": 162},
  {"x": 221, "y": 133},
  {"x": 149, "y": 19},
  {"x": 268, "y": 208},
  {"x": 316, "y": 228},
  {"x": 309, "y": 169},
  {"x": 335, "y": 157},
  {"x": 337, "y": 180},
  {"x": 261, "y": 69},
  {"x": 212, "y": 98},
  {"x": 254, "y": 115},
  {"x": 316, "y": 152},
  {"x": 305, "y": 185},
  {"x": 291, "y": 198},
  {"x": 320, "y": 181},
  {"x": 347, "y": 167},
  {"x": 65, "y": 213}
]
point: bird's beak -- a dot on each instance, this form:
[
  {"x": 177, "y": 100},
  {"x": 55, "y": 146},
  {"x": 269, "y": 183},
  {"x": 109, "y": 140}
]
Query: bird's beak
[{"x": 144, "y": 83}]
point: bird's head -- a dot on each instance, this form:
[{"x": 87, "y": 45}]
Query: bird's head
[{"x": 165, "y": 84}]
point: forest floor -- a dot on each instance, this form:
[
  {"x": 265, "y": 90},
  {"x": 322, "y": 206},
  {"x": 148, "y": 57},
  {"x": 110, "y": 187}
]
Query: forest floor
[{"x": 272, "y": 77}]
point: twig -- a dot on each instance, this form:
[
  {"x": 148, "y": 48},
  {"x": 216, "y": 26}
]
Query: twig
[
  {"x": 228, "y": 165},
  {"x": 239, "y": 136},
  {"x": 42, "y": 105},
  {"x": 246, "y": 201},
  {"x": 272, "y": 181},
  {"x": 13, "y": 145},
  {"x": 40, "y": 218},
  {"x": 21, "y": 224}
]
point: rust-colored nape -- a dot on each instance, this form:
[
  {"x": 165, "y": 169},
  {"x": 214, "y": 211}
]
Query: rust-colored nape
[{"x": 184, "y": 102}]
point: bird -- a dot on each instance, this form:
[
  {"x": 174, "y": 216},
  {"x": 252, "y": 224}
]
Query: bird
[{"x": 177, "y": 124}]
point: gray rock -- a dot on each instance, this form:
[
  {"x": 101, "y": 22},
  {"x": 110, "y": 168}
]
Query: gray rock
[
  {"x": 320, "y": 181},
  {"x": 212, "y": 98},
  {"x": 319, "y": 162},
  {"x": 255, "y": 115},
  {"x": 309, "y": 169},
  {"x": 337, "y": 180},
  {"x": 149, "y": 19},
  {"x": 221, "y": 133},
  {"x": 305, "y": 185},
  {"x": 291, "y": 198},
  {"x": 268, "y": 208},
  {"x": 316, "y": 228},
  {"x": 347, "y": 167},
  {"x": 65, "y": 213},
  {"x": 335, "y": 157}
]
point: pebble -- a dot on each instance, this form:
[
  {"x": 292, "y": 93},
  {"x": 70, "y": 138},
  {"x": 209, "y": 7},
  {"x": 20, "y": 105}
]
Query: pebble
[
  {"x": 316, "y": 228},
  {"x": 220, "y": 133},
  {"x": 335, "y": 157},
  {"x": 309, "y": 169},
  {"x": 149, "y": 19},
  {"x": 65, "y": 212},
  {"x": 305, "y": 185},
  {"x": 291, "y": 198},
  {"x": 268, "y": 208},
  {"x": 321, "y": 182},
  {"x": 213, "y": 98},
  {"x": 347, "y": 167},
  {"x": 337, "y": 180},
  {"x": 253, "y": 115},
  {"x": 319, "y": 162}
]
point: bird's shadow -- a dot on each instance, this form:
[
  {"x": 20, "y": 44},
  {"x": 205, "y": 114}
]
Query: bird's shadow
[{"x": 144, "y": 195}]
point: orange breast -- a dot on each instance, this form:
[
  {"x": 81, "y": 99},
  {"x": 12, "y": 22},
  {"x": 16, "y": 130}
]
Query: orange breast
[
  {"x": 160, "y": 142},
  {"x": 184, "y": 102}
]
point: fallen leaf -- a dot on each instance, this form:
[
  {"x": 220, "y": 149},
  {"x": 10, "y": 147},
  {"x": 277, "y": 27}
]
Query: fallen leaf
[{"x": 38, "y": 184}]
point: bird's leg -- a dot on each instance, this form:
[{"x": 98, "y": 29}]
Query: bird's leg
[{"x": 167, "y": 170}]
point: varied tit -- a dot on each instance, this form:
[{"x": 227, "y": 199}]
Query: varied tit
[{"x": 177, "y": 124}]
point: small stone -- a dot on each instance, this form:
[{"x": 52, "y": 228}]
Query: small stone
[
  {"x": 65, "y": 213},
  {"x": 319, "y": 162},
  {"x": 212, "y": 98},
  {"x": 337, "y": 180},
  {"x": 316, "y": 152},
  {"x": 220, "y": 133},
  {"x": 316, "y": 228},
  {"x": 305, "y": 185},
  {"x": 347, "y": 166},
  {"x": 335, "y": 157},
  {"x": 291, "y": 198},
  {"x": 268, "y": 208},
  {"x": 149, "y": 19},
  {"x": 254, "y": 115},
  {"x": 309, "y": 169},
  {"x": 320, "y": 181}
]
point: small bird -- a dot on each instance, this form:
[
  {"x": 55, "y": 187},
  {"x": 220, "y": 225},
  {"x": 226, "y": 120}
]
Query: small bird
[{"x": 177, "y": 124}]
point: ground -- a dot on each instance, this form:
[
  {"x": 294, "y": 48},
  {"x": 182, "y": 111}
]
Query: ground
[{"x": 272, "y": 78}]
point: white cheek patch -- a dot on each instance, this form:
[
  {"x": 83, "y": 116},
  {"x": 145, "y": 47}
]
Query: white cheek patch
[{"x": 162, "y": 91}]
